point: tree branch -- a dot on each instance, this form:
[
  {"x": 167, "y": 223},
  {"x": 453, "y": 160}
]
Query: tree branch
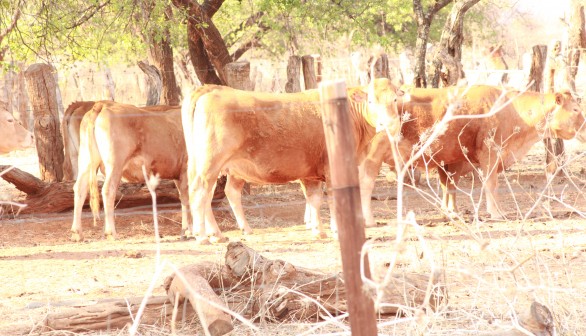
[
  {"x": 87, "y": 16},
  {"x": 13, "y": 22},
  {"x": 230, "y": 38}
]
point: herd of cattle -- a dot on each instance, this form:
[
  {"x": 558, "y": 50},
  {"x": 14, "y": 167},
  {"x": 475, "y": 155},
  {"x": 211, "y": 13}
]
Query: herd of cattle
[{"x": 270, "y": 138}]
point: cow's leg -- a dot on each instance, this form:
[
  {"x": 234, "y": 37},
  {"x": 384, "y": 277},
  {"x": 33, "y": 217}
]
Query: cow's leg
[
  {"x": 448, "y": 184},
  {"x": 113, "y": 174},
  {"x": 368, "y": 171},
  {"x": 233, "y": 192},
  {"x": 307, "y": 216},
  {"x": 186, "y": 219},
  {"x": 313, "y": 190},
  {"x": 490, "y": 189},
  {"x": 80, "y": 190}
]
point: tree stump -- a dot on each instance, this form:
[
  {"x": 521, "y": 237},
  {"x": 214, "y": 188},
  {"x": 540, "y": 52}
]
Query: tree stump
[
  {"x": 238, "y": 75},
  {"x": 42, "y": 90}
]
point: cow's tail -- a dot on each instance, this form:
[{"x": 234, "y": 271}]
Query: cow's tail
[
  {"x": 95, "y": 161},
  {"x": 67, "y": 164},
  {"x": 188, "y": 111}
]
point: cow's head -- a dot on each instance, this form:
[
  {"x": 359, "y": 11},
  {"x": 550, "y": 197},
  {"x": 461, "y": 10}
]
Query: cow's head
[
  {"x": 380, "y": 101},
  {"x": 14, "y": 135},
  {"x": 567, "y": 119}
]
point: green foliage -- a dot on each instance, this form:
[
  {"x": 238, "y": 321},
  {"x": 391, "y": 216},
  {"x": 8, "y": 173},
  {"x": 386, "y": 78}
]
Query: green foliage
[{"x": 114, "y": 31}]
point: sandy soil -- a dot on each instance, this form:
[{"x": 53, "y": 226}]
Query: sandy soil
[{"x": 491, "y": 269}]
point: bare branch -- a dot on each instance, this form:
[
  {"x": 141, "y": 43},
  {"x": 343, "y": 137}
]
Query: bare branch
[
  {"x": 10, "y": 27},
  {"x": 89, "y": 13}
]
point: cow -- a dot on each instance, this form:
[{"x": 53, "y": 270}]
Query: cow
[
  {"x": 14, "y": 135},
  {"x": 268, "y": 138},
  {"x": 121, "y": 139},
  {"x": 490, "y": 144},
  {"x": 70, "y": 129}
]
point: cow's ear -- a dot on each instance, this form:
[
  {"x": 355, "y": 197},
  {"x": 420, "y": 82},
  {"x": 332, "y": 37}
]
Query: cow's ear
[
  {"x": 358, "y": 96},
  {"x": 559, "y": 98}
]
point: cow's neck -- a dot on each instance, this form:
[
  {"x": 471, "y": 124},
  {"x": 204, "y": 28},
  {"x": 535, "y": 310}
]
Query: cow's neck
[{"x": 534, "y": 108}]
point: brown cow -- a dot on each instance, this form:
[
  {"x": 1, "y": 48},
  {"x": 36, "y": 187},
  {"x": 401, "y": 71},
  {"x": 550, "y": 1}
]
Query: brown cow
[
  {"x": 14, "y": 135},
  {"x": 491, "y": 144},
  {"x": 122, "y": 138},
  {"x": 267, "y": 138},
  {"x": 70, "y": 130}
]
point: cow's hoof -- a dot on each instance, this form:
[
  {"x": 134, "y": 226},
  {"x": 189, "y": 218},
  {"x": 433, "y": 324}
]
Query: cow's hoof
[
  {"x": 185, "y": 234},
  {"x": 320, "y": 235},
  {"x": 497, "y": 217},
  {"x": 247, "y": 231},
  {"x": 220, "y": 240},
  {"x": 76, "y": 237},
  {"x": 202, "y": 241},
  {"x": 110, "y": 237}
]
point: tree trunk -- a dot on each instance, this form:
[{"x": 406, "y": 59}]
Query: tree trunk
[
  {"x": 293, "y": 74},
  {"x": 576, "y": 40},
  {"x": 423, "y": 20},
  {"x": 162, "y": 54},
  {"x": 42, "y": 89},
  {"x": 154, "y": 83},
  {"x": 202, "y": 25},
  {"x": 58, "y": 197},
  {"x": 450, "y": 47}
]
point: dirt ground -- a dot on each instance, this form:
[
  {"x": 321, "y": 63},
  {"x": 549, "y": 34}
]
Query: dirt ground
[{"x": 492, "y": 270}]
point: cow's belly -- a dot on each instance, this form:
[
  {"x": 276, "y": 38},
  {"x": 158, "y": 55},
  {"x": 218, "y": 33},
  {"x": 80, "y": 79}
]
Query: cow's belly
[
  {"x": 166, "y": 168},
  {"x": 273, "y": 172}
]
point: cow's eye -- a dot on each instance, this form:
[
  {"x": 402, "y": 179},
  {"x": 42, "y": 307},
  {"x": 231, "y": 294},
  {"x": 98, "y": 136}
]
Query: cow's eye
[{"x": 10, "y": 120}]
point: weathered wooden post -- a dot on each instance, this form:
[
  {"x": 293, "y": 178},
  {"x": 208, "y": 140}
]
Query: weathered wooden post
[
  {"x": 41, "y": 87},
  {"x": 535, "y": 80},
  {"x": 293, "y": 74},
  {"x": 554, "y": 148},
  {"x": 238, "y": 75},
  {"x": 23, "y": 112},
  {"x": 309, "y": 64},
  {"x": 340, "y": 144}
]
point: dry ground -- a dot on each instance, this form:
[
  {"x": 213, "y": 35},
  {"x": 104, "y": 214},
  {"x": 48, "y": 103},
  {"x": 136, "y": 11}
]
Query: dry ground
[{"x": 491, "y": 269}]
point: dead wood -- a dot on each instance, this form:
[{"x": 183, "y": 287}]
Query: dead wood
[
  {"x": 538, "y": 320},
  {"x": 252, "y": 285},
  {"x": 112, "y": 314},
  {"x": 58, "y": 196},
  {"x": 276, "y": 290}
]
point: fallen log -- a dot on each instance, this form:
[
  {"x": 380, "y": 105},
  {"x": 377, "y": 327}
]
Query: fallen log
[
  {"x": 42, "y": 197},
  {"x": 276, "y": 290},
  {"x": 256, "y": 288}
]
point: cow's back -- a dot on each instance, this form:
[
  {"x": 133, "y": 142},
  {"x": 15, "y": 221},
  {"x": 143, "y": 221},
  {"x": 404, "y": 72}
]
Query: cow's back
[
  {"x": 151, "y": 137},
  {"x": 263, "y": 137}
]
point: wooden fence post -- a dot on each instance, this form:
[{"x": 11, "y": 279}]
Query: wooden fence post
[
  {"x": 309, "y": 63},
  {"x": 348, "y": 214},
  {"x": 41, "y": 87},
  {"x": 293, "y": 74},
  {"x": 238, "y": 75},
  {"x": 554, "y": 148}
]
